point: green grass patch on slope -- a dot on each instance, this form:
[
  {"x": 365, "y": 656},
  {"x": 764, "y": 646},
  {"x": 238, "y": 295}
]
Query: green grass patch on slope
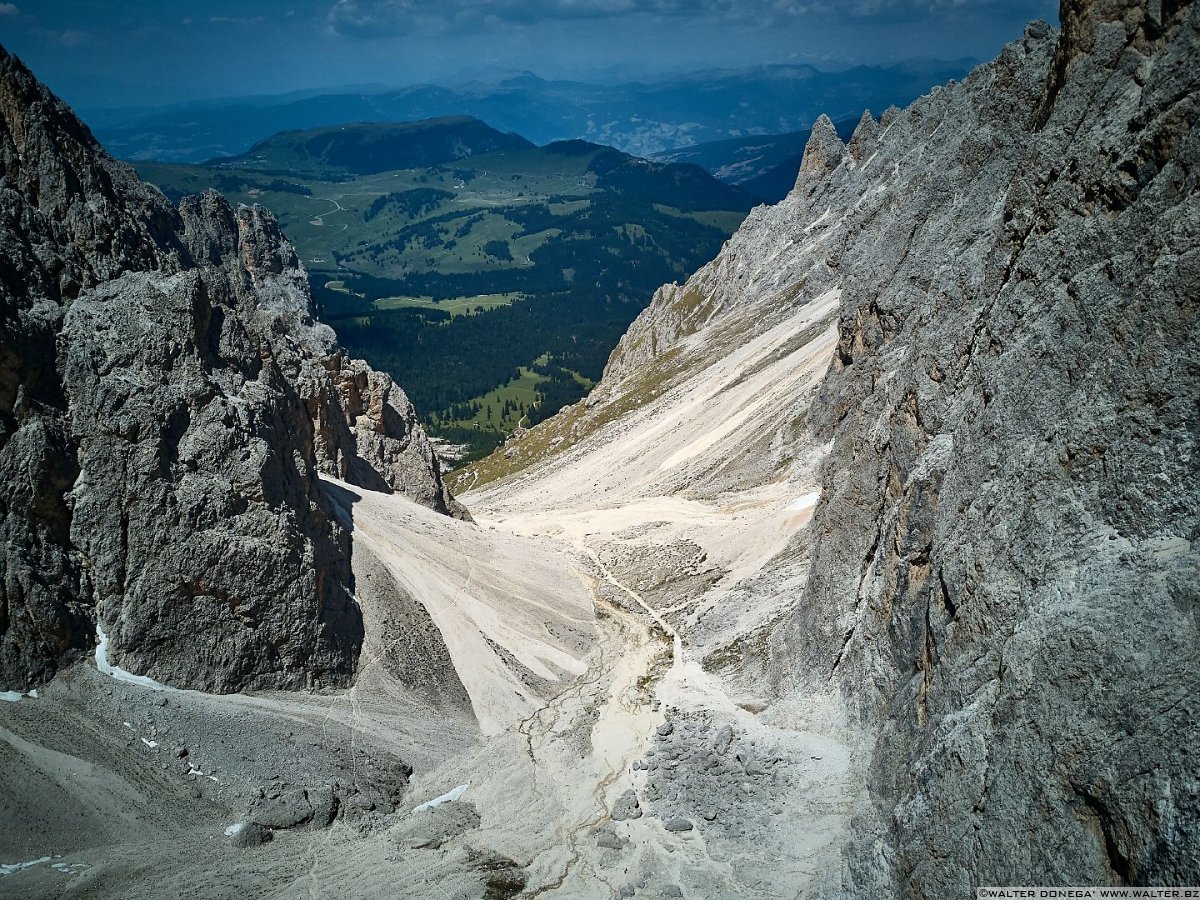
[
  {"x": 455, "y": 306},
  {"x": 500, "y": 409},
  {"x": 570, "y": 426}
]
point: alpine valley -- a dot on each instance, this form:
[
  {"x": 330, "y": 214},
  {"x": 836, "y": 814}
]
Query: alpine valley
[
  {"x": 490, "y": 277},
  {"x": 868, "y": 566}
]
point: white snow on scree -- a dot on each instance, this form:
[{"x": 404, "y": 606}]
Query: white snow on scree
[
  {"x": 117, "y": 672},
  {"x": 448, "y": 797}
]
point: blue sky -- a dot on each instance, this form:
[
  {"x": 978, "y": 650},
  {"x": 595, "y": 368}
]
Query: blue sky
[{"x": 98, "y": 53}]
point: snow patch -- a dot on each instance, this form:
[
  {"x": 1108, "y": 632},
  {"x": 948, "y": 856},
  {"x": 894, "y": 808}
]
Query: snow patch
[
  {"x": 10, "y": 868},
  {"x": 235, "y": 828},
  {"x": 11, "y": 696},
  {"x": 68, "y": 868},
  {"x": 448, "y": 797},
  {"x": 117, "y": 672},
  {"x": 805, "y": 501},
  {"x": 150, "y": 744}
]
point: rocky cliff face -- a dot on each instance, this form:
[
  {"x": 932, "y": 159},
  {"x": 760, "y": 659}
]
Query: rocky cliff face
[
  {"x": 1004, "y": 578},
  {"x": 367, "y": 433},
  {"x": 166, "y": 404},
  {"x": 1005, "y": 583}
]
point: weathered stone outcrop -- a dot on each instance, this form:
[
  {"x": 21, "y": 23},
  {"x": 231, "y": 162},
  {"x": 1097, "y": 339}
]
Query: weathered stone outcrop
[
  {"x": 205, "y": 544},
  {"x": 865, "y": 139},
  {"x": 68, "y": 221},
  {"x": 165, "y": 400},
  {"x": 368, "y": 435},
  {"x": 823, "y": 151}
]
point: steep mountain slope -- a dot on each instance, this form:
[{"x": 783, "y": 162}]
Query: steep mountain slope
[
  {"x": 887, "y": 523},
  {"x": 1016, "y": 420},
  {"x": 997, "y": 588},
  {"x": 166, "y": 403},
  {"x": 202, "y": 494}
]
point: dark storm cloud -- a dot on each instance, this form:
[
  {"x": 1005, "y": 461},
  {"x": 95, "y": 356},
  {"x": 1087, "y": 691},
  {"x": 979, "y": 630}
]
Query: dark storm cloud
[
  {"x": 388, "y": 18},
  {"x": 137, "y": 52},
  {"x": 383, "y": 18}
]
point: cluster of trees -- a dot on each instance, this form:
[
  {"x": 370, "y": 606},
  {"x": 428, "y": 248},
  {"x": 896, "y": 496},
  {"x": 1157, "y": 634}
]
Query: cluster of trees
[
  {"x": 461, "y": 412},
  {"x": 562, "y": 389},
  {"x": 684, "y": 187},
  {"x": 232, "y": 184},
  {"x": 510, "y": 407},
  {"x": 597, "y": 247},
  {"x": 442, "y": 361},
  {"x": 479, "y": 441},
  {"x": 580, "y": 295},
  {"x": 499, "y": 250},
  {"x": 238, "y": 184},
  {"x": 411, "y": 203},
  {"x": 332, "y": 305},
  {"x": 424, "y": 234}
]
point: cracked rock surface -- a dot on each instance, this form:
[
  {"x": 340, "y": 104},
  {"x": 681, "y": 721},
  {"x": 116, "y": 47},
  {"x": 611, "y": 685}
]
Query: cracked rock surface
[
  {"x": 1006, "y": 583},
  {"x": 1000, "y": 576}
]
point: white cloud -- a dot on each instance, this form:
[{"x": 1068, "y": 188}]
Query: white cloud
[{"x": 71, "y": 38}]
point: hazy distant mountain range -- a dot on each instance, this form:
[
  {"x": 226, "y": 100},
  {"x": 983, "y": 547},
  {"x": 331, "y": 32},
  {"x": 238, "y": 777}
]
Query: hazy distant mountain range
[{"x": 642, "y": 118}]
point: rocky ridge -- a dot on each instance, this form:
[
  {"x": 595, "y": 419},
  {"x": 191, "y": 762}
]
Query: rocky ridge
[
  {"x": 166, "y": 405},
  {"x": 1008, "y": 516},
  {"x": 1002, "y": 584}
]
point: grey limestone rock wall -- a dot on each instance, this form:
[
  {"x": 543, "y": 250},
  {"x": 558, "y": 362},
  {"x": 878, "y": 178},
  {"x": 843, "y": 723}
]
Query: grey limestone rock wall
[
  {"x": 204, "y": 538},
  {"x": 166, "y": 405},
  {"x": 823, "y": 151},
  {"x": 1005, "y": 569},
  {"x": 368, "y": 434},
  {"x": 68, "y": 221}
]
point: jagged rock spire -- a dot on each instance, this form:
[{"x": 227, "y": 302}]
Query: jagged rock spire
[
  {"x": 865, "y": 138},
  {"x": 823, "y": 151}
]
